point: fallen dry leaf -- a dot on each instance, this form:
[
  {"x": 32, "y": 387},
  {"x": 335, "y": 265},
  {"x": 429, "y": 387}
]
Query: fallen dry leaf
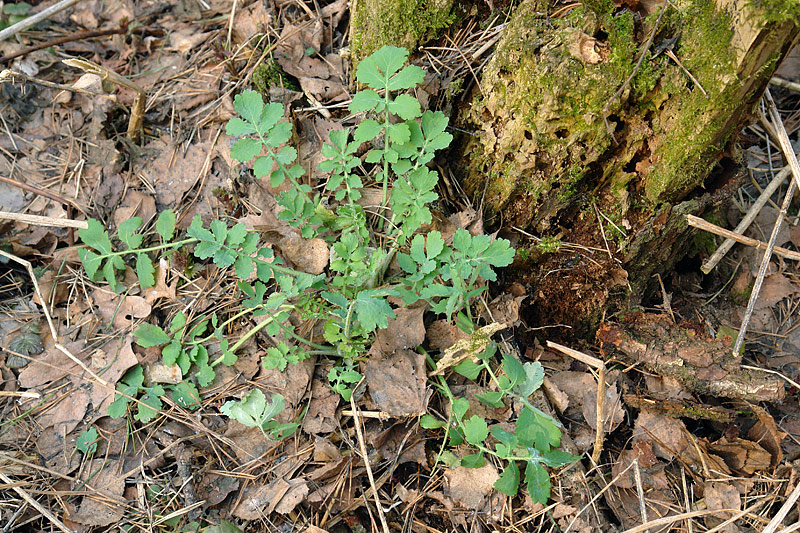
[
  {"x": 161, "y": 289},
  {"x": 135, "y": 204},
  {"x": 397, "y": 382},
  {"x": 67, "y": 413},
  {"x": 775, "y": 288},
  {"x": 52, "y": 365},
  {"x": 471, "y": 487},
  {"x": 120, "y": 310},
  {"x": 307, "y": 255},
  {"x": 280, "y": 496},
  {"x": 321, "y": 415},
  {"x": 442, "y": 334},
  {"x": 719, "y": 495},
  {"x": 173, "y": 170},
  {"x": 765, "y": 433},
  {"x": 404, "y": 332},
  {"x": 106, "y": 505},
  {"x": 742, "y": 455}
]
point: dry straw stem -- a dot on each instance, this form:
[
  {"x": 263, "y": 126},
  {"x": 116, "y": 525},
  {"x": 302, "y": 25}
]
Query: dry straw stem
[
  {"x": 788, "y": 153},
  {"x": 773, "y": 525},
  {"x": 36, "y": 505},
  {"x": 50, "y": 324},
  {"x": 364, "y": 456},
  {"x": 667, "y": 520},
  {"x": 601, "y": 392},
  {"x": 705, "y": 225},
  {"x": 137, "y": 111},
  {"x": 27, "y": 22},
  {"x": 752, "y": 213},
  {"x": 597, "y": 496},
  {"x": 10, "y": 75},
  {"x": 44, "y": 221},
  {"x": 786, "y": 84}
]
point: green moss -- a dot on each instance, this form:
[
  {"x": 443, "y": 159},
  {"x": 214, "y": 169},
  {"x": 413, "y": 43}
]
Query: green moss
[
  {"x": 404, "y": 23},
  {"x": 270, "y": 74},
  {"x": 778, "y": 11},
  {"x": 693, "y": 123}
]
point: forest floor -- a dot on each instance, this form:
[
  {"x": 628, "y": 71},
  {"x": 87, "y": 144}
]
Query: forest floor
[{"x": 664, "y": 453}]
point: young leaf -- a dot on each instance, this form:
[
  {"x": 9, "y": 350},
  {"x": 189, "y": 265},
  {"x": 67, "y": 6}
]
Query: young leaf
[
  {"x": 408, "y": 78},
  {"x": 245, "y": 149},
  {"x": 165, "y": 225},
  {"x": 376, "y": 69},
  {"x": 534, "y": 377},
  {"x": 87, "y": 441},
  {"x": 475, "y": 460},
  {"x": 373, "y": 310},
  {"x": 253, "y": 410},
  {"x": 429, "y": 422},
  {"x": 205, "y": 375},
  {"x": 118, "y": 407},
  {"x": 514, "y": 370},
  {"x": 538, "y": 481},
  {"x": 171, "y": 352},
  {"x": 150, "y": 405},
  {"x": 186, "y": 395},
  {"x": 249, "y": 105},
  {"x": 126, "y": 232},
  {"x": 96, "y": 236},
  {"x": 534, "y": 430},
  {"x": 469, "y": 369},
  {"x": 91, "y": 262},
  {"x": 475, "y": 430},
  {"x": 556, "y": 458},
  {"x": 177, "y": 322},
  {"x": 492, "y": 399},
  {"x": 237, "y": 127},
  {"x": 460, "y": 407},
  {"x": 508, "y": 483},
  {"x": 145, "y": 271},
  {"x": 148, "y": 335},
  {"x": 406, "y": 107},
  {"x": 365, "y": 100}
]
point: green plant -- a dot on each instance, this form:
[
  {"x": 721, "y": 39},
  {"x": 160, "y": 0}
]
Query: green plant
[
  {"x": 254, "y": 411},
  {"x": 87, "y": 441},
  {"x": 352, "y": 299},
  {"x": 13, "y": 13},
  {"x": 536, "y": 435}
]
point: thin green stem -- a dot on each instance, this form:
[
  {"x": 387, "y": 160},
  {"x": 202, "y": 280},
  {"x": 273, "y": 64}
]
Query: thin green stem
[
  {"x": 258, "y": 327},
  {"x": 177, "y": 244}
]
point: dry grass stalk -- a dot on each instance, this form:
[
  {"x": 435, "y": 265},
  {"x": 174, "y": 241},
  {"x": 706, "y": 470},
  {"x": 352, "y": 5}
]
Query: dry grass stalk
[
  {"x": 788, "y": 152},
  {"x": 766, "y": 194},
  {"x": 27, "y": 22},
  {"x": 697, "y": 222},
  {"x": 773, "y": 525},
  {"x": 50, "y": 324},
  {"x": 36, "y": 505},
  {"x": 44, "y": 221},
  {"x": 137, "y": 111},
  {"x": 362, "y": 445},
  {"x": 600, "y": 365},
  {"x": 10, "y": 75}
]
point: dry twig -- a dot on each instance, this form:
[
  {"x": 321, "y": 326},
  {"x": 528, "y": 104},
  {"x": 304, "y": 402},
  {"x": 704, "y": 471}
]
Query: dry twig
[{"x": 788, "y": 152}]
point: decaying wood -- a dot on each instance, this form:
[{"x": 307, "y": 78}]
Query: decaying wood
[
  {"x": 701, "y": 364},
  {"x": 540, "y": 155}
]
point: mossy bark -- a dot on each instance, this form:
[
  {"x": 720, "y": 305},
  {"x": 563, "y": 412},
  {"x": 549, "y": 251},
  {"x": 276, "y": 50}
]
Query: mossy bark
[
  {"x": 406, "y": 23},
  {"x": 556, "y": 150}
]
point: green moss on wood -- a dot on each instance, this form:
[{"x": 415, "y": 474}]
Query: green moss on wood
[{"x": 406, "y": 23}]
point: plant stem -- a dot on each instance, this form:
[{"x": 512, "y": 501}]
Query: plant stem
[{"x": 177, "y": 244}]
